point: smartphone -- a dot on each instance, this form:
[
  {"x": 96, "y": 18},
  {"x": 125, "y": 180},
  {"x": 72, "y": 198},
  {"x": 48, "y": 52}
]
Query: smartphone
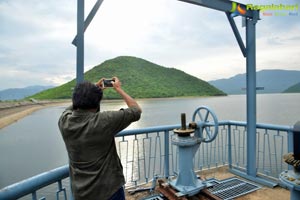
[{"x": 107, "y": 83}]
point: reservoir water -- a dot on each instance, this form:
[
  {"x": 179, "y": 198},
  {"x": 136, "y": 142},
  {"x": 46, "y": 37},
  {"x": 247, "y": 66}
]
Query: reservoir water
[{"x": 34, "y": 145}]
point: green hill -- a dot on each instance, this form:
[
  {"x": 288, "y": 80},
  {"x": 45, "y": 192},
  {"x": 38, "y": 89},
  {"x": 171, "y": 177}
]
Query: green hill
[
  {"x": 293, "y": 89},
  {"x": 141, "y": 79}
]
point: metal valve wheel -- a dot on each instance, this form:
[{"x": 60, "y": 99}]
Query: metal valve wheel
[{"x": 207, "y": 121}]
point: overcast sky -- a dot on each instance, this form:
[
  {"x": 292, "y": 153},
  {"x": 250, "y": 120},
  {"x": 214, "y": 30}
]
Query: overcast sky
[{"x": 36, "y": 35}]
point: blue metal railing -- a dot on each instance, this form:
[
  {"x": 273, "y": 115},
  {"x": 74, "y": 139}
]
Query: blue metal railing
[
  {"x": 273, "y": 142},
  {"x": 31, "y": 185},
  {"x": 147, "y": 153}
]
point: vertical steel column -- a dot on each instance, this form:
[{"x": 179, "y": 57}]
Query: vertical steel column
[
  {"x": 79, "y": 52},
  {"x": 80, "y": 42},
  {"x": 251, "y": 96}
]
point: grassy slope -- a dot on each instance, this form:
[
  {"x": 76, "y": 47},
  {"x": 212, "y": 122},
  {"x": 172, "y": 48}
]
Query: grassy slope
[{"x": 141, "y": 79}]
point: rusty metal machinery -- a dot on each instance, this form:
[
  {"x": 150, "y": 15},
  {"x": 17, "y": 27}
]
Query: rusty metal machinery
[{"x": 291, "y": 178}]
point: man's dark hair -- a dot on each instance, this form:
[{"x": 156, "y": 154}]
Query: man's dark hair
[{"x": 86, "y": 95}]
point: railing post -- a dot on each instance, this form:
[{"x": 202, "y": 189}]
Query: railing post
[
  {"x": 167, "y": 166},
  {"x": 229, "y": 147},
  {"x": 290, "y": 145}
]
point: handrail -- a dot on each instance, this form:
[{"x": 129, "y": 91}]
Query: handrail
[
  {"x": 37, "y": 182},
  {"x": 148, "y": 130},
  {"x": 258, "y": 125},
  {"x": 31, "y": 185},
  {"x": 34, "y": 183}
]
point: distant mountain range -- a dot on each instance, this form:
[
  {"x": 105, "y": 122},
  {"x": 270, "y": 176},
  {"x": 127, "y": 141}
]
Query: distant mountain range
[
  {"x": 141, "y": 79},
  {"x": 20, "y": 93},
  {"x": 273, "y": 81},
  {"x": 144, "y": 79}
]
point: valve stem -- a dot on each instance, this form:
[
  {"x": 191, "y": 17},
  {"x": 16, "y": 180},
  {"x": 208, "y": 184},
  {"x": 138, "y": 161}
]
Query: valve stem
[{"x": 183, "y": 121}]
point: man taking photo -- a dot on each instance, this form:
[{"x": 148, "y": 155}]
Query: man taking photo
[{"x": 96, "y": 171}]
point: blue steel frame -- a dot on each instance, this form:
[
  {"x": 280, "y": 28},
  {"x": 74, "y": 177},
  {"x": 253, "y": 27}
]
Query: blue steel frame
[
  {"x": 78, "y": 41},
  {"x": 228, "y": 139},
  {"x": 249, "y": 52}
]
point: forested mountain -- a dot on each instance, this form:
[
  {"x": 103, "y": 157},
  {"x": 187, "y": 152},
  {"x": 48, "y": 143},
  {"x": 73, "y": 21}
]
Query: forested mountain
[{"x": 141, "y": 79}]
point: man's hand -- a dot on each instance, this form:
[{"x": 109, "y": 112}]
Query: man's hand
[
  {"x": 128, "y": 99},
  {"x": 117, "y": 86},
  {"x": 116, "y": 83},
  {"x": 100, "y": 84}
]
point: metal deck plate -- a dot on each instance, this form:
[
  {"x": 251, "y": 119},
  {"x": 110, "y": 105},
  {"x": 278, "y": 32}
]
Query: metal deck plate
[
  {"x": 153, "y": 197},
  {"x": 232, "y": 188}
]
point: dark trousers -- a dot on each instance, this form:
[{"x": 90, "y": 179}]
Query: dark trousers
[{"x": 118, "y": 195}]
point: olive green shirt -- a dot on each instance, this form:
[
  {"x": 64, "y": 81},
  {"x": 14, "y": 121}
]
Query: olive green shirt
[{"x": 95, "y": 169}]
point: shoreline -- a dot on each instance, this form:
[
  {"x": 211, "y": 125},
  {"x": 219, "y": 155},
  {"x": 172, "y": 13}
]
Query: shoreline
[{"x": 11, "y": 112}]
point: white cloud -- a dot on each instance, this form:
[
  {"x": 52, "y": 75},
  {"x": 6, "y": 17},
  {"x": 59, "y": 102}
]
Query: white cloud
[
  {"x": 35, "y": 42},
  {"x": 23, "y": 78},
  {"x": 36, "y": 37},
  {"x": 59, "y": 79}
]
